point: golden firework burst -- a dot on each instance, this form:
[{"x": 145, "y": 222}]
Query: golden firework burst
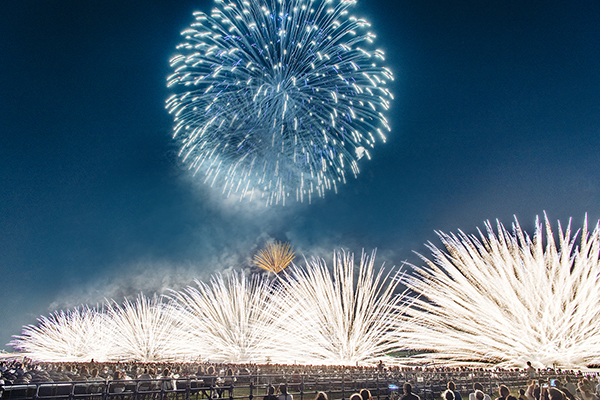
[{"x": 275, "y": 257}]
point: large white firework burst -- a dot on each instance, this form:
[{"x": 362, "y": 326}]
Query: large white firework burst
[
  {"x": 278, "y": 98},
  {"x": 144, "y": 330},
  {"x": 77, "y": 335},
  {"x": 230, "y": 319},
  {"x": 311, "y": 315},
  {"x": 343, "y": 316},
  {"x": 507, "y": 298}
]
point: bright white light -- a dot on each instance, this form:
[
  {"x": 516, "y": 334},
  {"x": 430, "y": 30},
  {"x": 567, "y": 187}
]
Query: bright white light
[
  {"x": 292, "y": 57},
  {"x": 502, "y": 298},
  {"x": 342, "y": 317},
  {"x": 76, "y": 335},
  {"x": 228, "y": 320},
  {"x": 309, "y": 316},
  {"x": 144, "y": 330},
  {"x": 505, "y": 298}
]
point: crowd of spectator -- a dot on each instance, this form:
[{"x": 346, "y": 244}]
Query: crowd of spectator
[
  {"x": 585, "y": 388},
  {"x": 412, "y": 382}
]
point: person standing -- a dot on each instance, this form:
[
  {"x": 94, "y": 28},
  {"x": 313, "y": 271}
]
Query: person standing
[{"x": 531, "y": 372}]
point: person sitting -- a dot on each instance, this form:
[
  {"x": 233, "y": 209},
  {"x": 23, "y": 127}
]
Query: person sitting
[
  {"x": 448, "y": 395},
  {"x": 570, "y": 386},
  {"x": 167, "y": 381},
  {"x": 504, "y": 392},
  {"x": 196, "y": 379},
  {"x": 211, "y": 376},
  {"x": 96, "y": 383},
  {"x": 365, "y": 394},
  {"x": 83, "y": 374},
  {"x": 321, "y": 396},
  {"x": 270, "y": 393},
  {"x": 556, "y": 394},
  {"x": 284, "y": 395},
  {"x": 211, "y": 381},
  {"x": 522, "y": 395},
  {"x": 408, "y": 394},
  {"x": 586, "y": 391},
  {"x": 227, "y": 383},
  {"x": 117, "y": 386},
  {"x": 478, "y": 386},
  {"x": 530, "y": 391},
  {"x": 145, "y": 381},
  {"x": 452, "y": 386},
  {"x": 566, "y": 392},
  {"x": 229, "y": 377}
]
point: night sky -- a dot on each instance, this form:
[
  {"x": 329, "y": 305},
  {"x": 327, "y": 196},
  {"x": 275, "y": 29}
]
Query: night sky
[{"x": 496, "y": 115}]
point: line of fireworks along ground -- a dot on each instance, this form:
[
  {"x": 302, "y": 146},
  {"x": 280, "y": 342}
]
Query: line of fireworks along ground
[
  {"x": 428, "y": 384},
  {"x": 501, "y": 298}
]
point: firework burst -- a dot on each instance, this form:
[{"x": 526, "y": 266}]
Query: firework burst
[
  {"x": 278, "y": 99},
  {"x": 507, "y": 298},
  {"x": 77, "y": 335},
  {"x": 310, "y": 315},
  {"x": 144, "y": 330},
  {"x": 229, "y": 320},
  {"x": 275, "y": 257},
  {"x": 339, "y": 317}
]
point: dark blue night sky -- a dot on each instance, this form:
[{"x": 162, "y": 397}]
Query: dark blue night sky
[{"x": 497, "y": 114}]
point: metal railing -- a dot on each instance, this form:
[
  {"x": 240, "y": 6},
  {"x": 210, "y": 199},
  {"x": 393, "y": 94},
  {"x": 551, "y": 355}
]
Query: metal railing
[{"x": 428, "y": 384}]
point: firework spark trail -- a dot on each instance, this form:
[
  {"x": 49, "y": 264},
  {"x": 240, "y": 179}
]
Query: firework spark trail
[
  {"x": 507, "y": 298},
  {"x": 342, "y": 317},
  {"x": 145, "y": 330},
  {"x": 308, "y": 316},
  {"x": 229, "y": 320},
  {"x": 499, "y": 299},
  {"x": 76, "y": 335},
  {"x": 278, "y": 98},
  {"x": 275, "y": 257}
]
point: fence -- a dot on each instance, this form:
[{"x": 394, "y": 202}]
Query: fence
[{"x": 428, "y": 384}]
